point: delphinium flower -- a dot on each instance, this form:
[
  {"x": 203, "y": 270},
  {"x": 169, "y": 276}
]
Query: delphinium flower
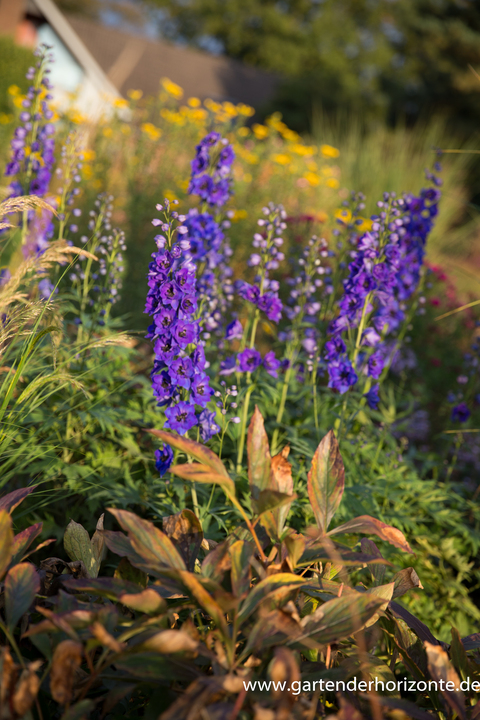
[
  {"x": 302, "y": 310},
  {"x": 226, "y": 402},
  {"x": 383, "y": 274},
  {"x": 263, "y": 297},
  {"x": 180, "y": 383},
  {"x": 211, "y": 170},
  {"x": 209, "y": 247},
  {"x": 33, "y": 144},
  {"x": 69, "y": 175},
  {"x": 97, "y": 286}
]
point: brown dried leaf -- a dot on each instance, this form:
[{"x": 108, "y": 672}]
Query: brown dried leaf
[
  {"x": 8, "y": 676},
  {"x": 441, "y": 669},
  {"x": 406, "y": 580},
  {"x": 6, "y": 541},
  {"x": 170, "y": 641},
  {"x": 284, "y": 668},
  {"x": 27, "y": 689},
  {"x": 372, "y": 526},
  {"x": 185, "y": 531},
  {"x": 148, "y": 601},
  {"x": 104, "y": 637},
  {"x": 259, "y": 459},
  {"x": 66, "y": 661}
]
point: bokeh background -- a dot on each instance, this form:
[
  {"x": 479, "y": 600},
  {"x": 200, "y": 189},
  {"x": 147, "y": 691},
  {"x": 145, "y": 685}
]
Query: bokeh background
[{"x": 321, "y": 97}]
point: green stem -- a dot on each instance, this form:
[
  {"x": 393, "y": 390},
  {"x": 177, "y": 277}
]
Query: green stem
[{"x": 241, "y": 442}]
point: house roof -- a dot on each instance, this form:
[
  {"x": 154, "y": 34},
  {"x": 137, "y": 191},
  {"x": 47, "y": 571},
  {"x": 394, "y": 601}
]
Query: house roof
[{"x": 134, "y": 62}]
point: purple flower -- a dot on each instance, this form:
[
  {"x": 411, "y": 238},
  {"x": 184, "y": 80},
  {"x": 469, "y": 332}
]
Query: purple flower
[
  {"x": 249, "y": 360},
  {"x": 162, "y": 387},
  {"x": 163, "y": 459},
  {"x": 208, "y": 426},
  {"x": 372, "y": 397},
  {"x": 248, "y": 292},
  {"x": 334, "y": 348},
  {"x": 228, "y": 366},
  {"x": 271, "y": 305},
  {"x": 181, "y": 370},
  {"x": 185, "y": 333},
  {"x": 342, "y": 375},
  {"x": 181, "y": 417},
  {"x": 375, "y": 365},
  {"x": 164, "y": 320},
  {"x": 234, "y": 331},
  {"x": 271, "y": 364},
  {"x": 460, "y": 413},
  {"x": 201, "y": 390}
]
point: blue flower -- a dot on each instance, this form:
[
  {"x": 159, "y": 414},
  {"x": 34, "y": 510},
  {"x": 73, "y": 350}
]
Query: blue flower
[
  {"x": 271, "y": 364},
  {"x": 249, "y": 360},
  {"x": 375, "y": 364},
  {"x": 208, "y": 426},
  {"x": 163, "y": 459},
  {"x": 181, "y": 417},
  {"x": 460, "y": 413},
  {"x": 234, "y": 330},
  {"x": 372, "y": 397},
  {"x": 342, "y": 375}
]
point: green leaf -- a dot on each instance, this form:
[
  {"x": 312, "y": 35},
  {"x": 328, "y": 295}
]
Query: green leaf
[
  {"x": 21, "y": 586},
  {"x": 185, "y": 531},
  {"x": 194, "y": 472},
  {"x": 269, "y": 500},
  {"x": 267, "y": 586},
  {"x": 340, "y": 617},
  {"x": 326, "y": 481},
  {"x": 126, "y": 571},
  {"x": 6, "y": 541},
  {"x": 77, "y": 545},
  {"x": 205, "y": 600},
  {"x": 108, "y": 587},
  {"x": 151, "y": 544},
  {"x": 372, "y": 526},
  {"x": 80, "y": 711},
  {"x": 240, "y": 553},
  {"x": 259, "y": 459},
  {"x": 192, "y": 448}
]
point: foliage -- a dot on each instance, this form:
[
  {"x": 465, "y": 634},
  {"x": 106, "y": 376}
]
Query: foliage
[
  {"x": 384, "y": 59},
  {"x": 14, "y": 61},
  {"x": 189, "y": 627}
]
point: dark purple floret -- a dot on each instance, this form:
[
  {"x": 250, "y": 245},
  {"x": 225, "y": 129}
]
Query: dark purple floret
[
  {"x": 372, "y": 397},
  {"x": 271, "y": 364},
  {"x": 181, "y": 417},
  {"x": 460, "y": 413},
  {"x": 249, "y": 360},
  {"x": 163, "y": 459}
]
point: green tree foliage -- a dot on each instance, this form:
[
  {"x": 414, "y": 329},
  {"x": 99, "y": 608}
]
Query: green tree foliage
[
  {"x": 386, "y": 58},
  {"x": 14, "y": 62}
]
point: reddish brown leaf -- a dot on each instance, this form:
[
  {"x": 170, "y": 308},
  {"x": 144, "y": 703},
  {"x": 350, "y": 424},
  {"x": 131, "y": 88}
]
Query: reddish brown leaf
[
  {"x": 372, "y": 526},
  {"x": 240, "y": 553},
  {"x": 12, "y": 500},
  {"x": 326, "y": 481},
  {"x": 194, "y": 472},
  {"x": 24, "y": 539},
  {"x": 151, "y": 544},
  {"x": 6, "y": 541},
  {"x": 440, "y": 668},
  {"x": 185, "y": 531},
  {"x": 21, "y": 585}
]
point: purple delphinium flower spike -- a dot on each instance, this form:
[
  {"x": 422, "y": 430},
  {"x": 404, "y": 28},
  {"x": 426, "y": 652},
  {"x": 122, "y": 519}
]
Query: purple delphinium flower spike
[
  {"x": 372, "y": 397},
  {"x": 460, "y": 413}
]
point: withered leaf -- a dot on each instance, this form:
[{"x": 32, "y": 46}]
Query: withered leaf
[
  {"x": 259, "y": 459},
  {"x": 185, "y": 531},
  {"x": 66, "y": 660},
  {"x": 440, "y": 668},
  {"x": 27, "y": 689},
  {"x": 10, "y": 501},
  {"x": 372, "y": 526},
  {"x": 6, "y": 541}
]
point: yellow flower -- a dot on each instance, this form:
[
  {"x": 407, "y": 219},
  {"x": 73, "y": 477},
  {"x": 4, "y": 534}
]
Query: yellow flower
[
  {"x": 78, "y": 119},
  {"x": 343, "y": 214},
  {"x": 329, "y": 151},
  {"x": 135, "y": 94},
  {"x": 245, "y": 110},
  {"x": 312, "y": 166},
  {"x": 198, "y": 116},
  {"x": 312, "y": 179},
  {"x": 230, "y": 109},
  {"x": 260, "y": 131},
  {"x": 239, "y": 214},
  {"x": 120, "y": 103},
  {"x": 247, "y": 178},
  {"x": 243, "y": 131},
  {"x": 281, "y": 158},
  {"x": 170, "y": 195},
  {"x": 89, "y": 155},
  {"x": 290, "y": 135},
  {"x": 212, "y": 105},
  {"x": 365, "y": 225},
  {"x": 300, "y": 149},
  {"x": 153, "y": 132},
  {"x": 18, "y": 100},
  {"x": 87, "y": 171},
  {"x": 194, "y": 102},
  {"x": 172, "y": 88},
  {"x": 183, "y": 185},
  {"x": 332, "y": 183},
  {"x": 107, "y": 132},
  {"x": 14, "y": 90},
  {"x": 5, "y": 119}
]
